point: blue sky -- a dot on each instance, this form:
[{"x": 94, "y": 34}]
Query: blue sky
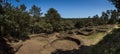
[{"x": 71, "y": 8}]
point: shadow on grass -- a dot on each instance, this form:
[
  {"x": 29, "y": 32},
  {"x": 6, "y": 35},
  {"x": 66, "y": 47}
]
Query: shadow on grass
[{"x": 109, "y": 45}]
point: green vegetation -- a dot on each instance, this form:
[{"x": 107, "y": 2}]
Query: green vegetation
[
  {"x": 109, "y": 45},
  {"x": 116, "y": 3},
  {"x": 18, "y": 23}
]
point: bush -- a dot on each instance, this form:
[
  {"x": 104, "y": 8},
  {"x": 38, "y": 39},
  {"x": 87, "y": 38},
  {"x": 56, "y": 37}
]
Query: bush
[
  {"x": 68, "y": 25},
  {"x": 57, "y": 27},
  {"x": 79, "y": 24},
  {"x": 48, "y": 28}
]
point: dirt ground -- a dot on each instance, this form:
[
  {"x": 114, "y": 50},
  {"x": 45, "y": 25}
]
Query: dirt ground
[{"x": 46, "y": 44}]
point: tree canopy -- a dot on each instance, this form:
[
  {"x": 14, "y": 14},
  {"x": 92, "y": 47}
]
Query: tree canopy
[
  {"x": 53, "y": 14},
  {"x": 35, "y": 11},
  {"x": 116, "y": 3}
]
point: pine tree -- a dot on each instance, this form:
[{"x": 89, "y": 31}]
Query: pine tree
[
  {"x": 53, "y": 15},
  {"x": 22, "y": 7},
  {"x": 116, "y": 3},
  {"x": 104, "y": 17},
  {"x": 35, "y": 11}
]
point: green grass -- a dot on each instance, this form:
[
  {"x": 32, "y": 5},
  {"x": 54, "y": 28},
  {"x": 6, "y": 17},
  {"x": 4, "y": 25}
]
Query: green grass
[
  {"x": 96, "y": 35},
  {"x": 92, "y": 39},
  {"x": 95, "y": 38}
]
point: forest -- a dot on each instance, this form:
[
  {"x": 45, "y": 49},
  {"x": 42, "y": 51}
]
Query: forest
[{"x": 17, "y": 23}]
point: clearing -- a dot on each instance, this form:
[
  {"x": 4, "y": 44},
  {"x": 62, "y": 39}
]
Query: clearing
[{"x": 48, "y": 43}]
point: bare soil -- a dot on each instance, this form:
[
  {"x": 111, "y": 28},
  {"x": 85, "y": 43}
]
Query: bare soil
[{"x": 46, "y": 44}]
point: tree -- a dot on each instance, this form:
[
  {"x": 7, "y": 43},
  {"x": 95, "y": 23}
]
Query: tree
[
  {"x": 22, "y": 7},
  {"x": 114, "y": 17},
  {"x": 108, "y": 13},
  {"x": 14, "y": 23},
  {"x": 1, "y": 9},
  {"x": 35, "y": 11},
  {"x": 104, "y": 17},
  {"x": 116, "y": 3},
  {"x": 5, "y": 5},
  {"x": 18, "y": 0},
  {"x": 8, "y": 0},
  {"x": 57, "y": 27},
  {"x": 52, "y": 14},
  {"x": 54, "y": 18},
  {"x": 96, "y": 20},
  {"x": 79, "y": 24}
]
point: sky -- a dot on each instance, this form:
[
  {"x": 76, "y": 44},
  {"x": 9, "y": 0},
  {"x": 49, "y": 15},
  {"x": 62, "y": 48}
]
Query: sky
[{"x": 70, "y": 8}]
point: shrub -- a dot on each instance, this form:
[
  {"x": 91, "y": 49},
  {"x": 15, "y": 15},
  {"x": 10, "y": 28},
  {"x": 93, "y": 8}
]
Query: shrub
[{"x": 79, "y": 24}]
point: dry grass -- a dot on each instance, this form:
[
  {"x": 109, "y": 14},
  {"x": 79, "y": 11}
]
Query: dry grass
[
  {"x": 97, "y": 36},
  {"x": 92, "y": 39}
]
